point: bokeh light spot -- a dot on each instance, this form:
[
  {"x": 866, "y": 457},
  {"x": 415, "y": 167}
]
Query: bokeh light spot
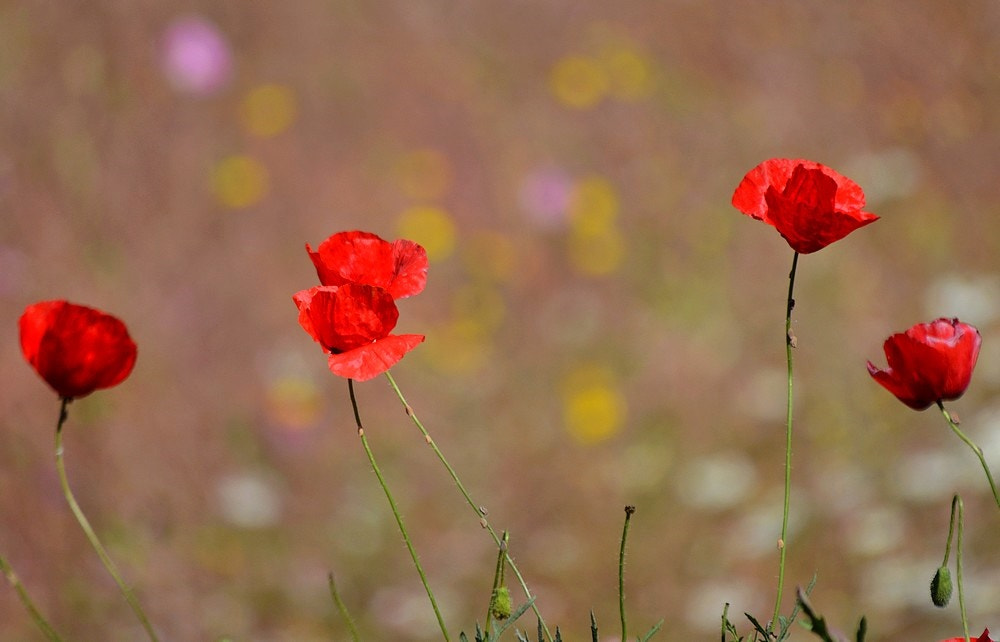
[
  {"x": 239, "y": 181},
  {"x": 268, "y": 110},
  {"x": 593, "y": 206},
  {"x": 293, "y": 403},
  {"x": 593, "y": 408},
  {"x": 545, "y": 195},
  {"x": 629, "y": 72},
  {"x": 461, "y": 346},
  {"x": 579, "y": 82},
  {"x": 196, "y": 58},
  {"x": 597, "y": 254},
  {"x": 424, "y": 174},
  {"x": 430, "y": 227},
  {"x": 490, "y": 255},
  {"x": 485, "y": 305}
]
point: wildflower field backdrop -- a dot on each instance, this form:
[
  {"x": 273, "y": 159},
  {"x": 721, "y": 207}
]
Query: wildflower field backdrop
[{"x": 602, "y": 327}]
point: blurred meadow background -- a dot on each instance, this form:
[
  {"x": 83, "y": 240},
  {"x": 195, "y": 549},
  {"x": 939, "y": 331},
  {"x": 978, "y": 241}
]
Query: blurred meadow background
[{"x": 602, "y": 326}]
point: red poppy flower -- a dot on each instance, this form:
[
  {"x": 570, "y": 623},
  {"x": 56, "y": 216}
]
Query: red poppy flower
[
  {"x": 809, "y": 204},
  {"x": 985, "y": 637},
  {"x": 352, "y": 322},
  {"x": 930, "y": 362},
  {"x": 76, "y": 349},
  {"x": 399, "y": 267}
]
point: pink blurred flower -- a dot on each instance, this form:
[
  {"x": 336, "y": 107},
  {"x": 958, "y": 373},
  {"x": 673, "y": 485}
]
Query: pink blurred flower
[
  {"x": 545, "y": 195},
  {"x": 196, "y": 57}
]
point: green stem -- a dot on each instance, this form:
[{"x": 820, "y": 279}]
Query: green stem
[
  {"x": 395, "y": 512},
  {"x": 976, "y": 449},
  {"x": 335, "y": 594},
  {"x": 498, "y": 580},
  {"x": 22, "y": 593},
  {"x": 629, "y": 511},
  {"x": 783, "y": 542},
  {"x": 480, "y": 512},
  {"x": 89, "y": 532},
  {"x": 957, "y": 502}
]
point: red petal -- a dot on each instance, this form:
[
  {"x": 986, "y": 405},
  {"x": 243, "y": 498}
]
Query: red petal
[
  {"x": 302, "y": 300},
  {"x": 930, "y": 362},
  {"x": 76, "y": 349},
  {"x": 346, "y": 317},
  {"x": 749, "y": 195},
  {"x": 409, "y": 269},
  {"x": 369, "y": 361},
  {"x": 810, "y": 204},
  {"x": 353, "y": 257},
  {"x": 365, "y": 258}
]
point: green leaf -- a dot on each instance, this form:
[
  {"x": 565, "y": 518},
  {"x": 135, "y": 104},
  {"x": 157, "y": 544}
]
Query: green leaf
[{"x": 652, "y": 631}]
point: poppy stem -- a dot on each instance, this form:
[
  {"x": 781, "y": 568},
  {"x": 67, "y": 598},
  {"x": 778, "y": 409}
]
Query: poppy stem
[
  {"x": 783, "y": 542},
  {"x": 958, "y": 508},
  {"x": 395, "y": 511},
  {"x": 629, "y": 511},
  {"x": 22, "y": 593},
  {"x": 976, "y": 449},
  {"x": 480, "y": 511},
  {"x": 89, "y": 531},
  {"x": 335, "y": 594}
]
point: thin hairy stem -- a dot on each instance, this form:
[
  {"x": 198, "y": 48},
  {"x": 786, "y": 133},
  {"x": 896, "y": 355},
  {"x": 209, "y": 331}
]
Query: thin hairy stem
[
  {"x": 22, "y": 593},
  {"x": 629, "y": 511},
  {"x": 789, "y": 346},
  {"x": 480, "y": 512},
  {"x": 976, "y": 449},
  {"x": 89, "y": 531},
  {"x": 395, "y": 512},
  {"x": 344, "y": 613},
  {"x": 957, "y": 503}
]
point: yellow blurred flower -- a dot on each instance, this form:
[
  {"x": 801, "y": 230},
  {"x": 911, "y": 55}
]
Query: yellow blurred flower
[
  {"x": 268, "y": 110},
  {"x": 461, "y": 346},
  {"x": 490, "y": 255},
  {"x": 630, "y": 73},
  {"x": 593, "y": 206},
  {"x": 424, "y": 174},
  {"x": 593, "y": 408},
  {"x": 597, "y": 254},
  {"x": 431, "y": 227},
  {"x": 239, "y": 181},
  {"x": 579, "y": 81}
]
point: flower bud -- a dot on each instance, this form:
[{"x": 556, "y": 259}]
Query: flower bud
[
  {"x": 500, "y": 604},
  {"x": 941, "y": 587}
]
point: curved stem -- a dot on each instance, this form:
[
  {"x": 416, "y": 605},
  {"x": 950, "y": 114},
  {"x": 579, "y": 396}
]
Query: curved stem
[
  {"x": 480, "y": 512},
  {"x": 957, "y": 502},
  {"x": 629, "y": 511},
  {"x": 395, "y": 511},
  {"x": 783, "y": 542},
  {"x": 89, "y": 531},
  {"x": 335, "y": 594},
  {"x": 22, "y": 593},
  {"x": 976, "y": 449}
]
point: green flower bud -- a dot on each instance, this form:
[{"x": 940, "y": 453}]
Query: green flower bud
[
  {"x": 500, "y": 604},
  {"x": 941, "y": 587}
]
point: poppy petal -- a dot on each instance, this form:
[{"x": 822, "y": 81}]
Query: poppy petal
[
  {"x": 76, "y": 349},
  {"x": 811, "y": 205},
  {"x": 369, "y": 361},
  {"x": 409, "y": 269}
]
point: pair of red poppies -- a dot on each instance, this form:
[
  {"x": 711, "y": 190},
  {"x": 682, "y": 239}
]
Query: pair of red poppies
[
  {"x": 354, "y": 309},
  {"x": 812, "y": 206},
  {"x": 77, "y": 349}
]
